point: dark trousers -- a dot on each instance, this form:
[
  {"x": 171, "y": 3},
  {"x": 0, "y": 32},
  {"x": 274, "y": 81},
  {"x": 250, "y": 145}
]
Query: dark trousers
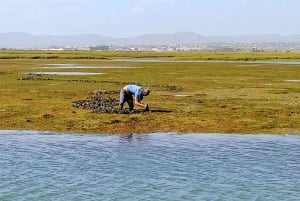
[{"x": 125, "y": 97}]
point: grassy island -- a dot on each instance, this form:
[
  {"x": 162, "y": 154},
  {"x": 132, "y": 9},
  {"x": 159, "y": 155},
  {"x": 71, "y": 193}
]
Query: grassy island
[{"x": 190, "y": 91}]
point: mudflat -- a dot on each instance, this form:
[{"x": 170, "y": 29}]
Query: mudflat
[{"x": 186, "y": 96}]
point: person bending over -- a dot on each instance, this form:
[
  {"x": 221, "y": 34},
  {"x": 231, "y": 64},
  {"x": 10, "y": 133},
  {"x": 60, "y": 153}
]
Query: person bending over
[{"x": 133, "y": 95}]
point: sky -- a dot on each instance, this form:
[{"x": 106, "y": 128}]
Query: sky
[{"x": 129, "y": 18}]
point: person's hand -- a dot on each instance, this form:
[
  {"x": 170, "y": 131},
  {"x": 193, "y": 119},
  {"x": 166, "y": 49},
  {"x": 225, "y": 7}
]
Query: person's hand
[{"x": 147, "y": 107}]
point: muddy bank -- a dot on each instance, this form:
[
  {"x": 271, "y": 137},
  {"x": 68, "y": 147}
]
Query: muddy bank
[{"x": 100, "y": 102}]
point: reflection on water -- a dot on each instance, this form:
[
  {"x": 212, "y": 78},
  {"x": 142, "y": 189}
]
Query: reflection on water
[
  {"x": 47, "y": 166},
  {"x": 62, "y": 65},
  {"x": 63, "y": 73},
  {"x": 292, "y": 80},
  {"x": 75, "y": 66},
  {"x": 72, "y": 66},
  {"x": 208, "y": 61},
  {"x": 182, "y": 95}
]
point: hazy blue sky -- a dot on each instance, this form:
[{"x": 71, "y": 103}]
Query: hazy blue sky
[{"x": 123, "y": 18}]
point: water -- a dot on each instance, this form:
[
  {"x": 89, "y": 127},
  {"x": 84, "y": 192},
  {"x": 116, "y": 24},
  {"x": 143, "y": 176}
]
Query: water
[
  {"x": 210, "y": 61},
  {"x": 47, "y": 166},
  {"x": 74, "y": 66},
  {"x": 63, "y": 73}
]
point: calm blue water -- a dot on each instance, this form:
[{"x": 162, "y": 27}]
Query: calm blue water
[{"x": 46, "y": 166}]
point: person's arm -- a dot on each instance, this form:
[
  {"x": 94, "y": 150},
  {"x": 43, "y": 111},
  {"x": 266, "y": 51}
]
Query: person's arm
[{"x": 139, "y": 103}]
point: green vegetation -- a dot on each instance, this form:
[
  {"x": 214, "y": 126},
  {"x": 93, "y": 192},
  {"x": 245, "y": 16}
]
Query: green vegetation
[
  {"x": 245, "y": 56},
  {"x": 199, "y": 97}
]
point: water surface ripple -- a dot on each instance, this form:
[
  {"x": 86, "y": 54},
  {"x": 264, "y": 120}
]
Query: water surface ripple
[{"x": 46, "y": 166}]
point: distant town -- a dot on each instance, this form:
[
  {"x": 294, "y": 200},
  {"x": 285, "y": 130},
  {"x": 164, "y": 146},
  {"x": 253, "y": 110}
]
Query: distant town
[
  {"x": 181, "y": 41},
  {"x": 217, "y": 47}
]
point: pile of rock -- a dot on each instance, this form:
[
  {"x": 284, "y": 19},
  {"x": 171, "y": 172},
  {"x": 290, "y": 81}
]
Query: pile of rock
[{"x": 98, "y": 103}]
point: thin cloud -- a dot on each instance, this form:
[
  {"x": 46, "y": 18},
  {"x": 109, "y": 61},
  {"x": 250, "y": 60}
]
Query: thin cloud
[
  {"x": 68, "y": 1},
  {"x": 139, "y": 7},
  {"x": 147, "y": 5},
  {"x": 244, "y": 2}
]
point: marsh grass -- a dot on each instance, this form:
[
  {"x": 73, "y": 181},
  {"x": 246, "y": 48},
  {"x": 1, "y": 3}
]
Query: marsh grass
[
  {"x": 103, "y": 55},
  {"x": 222, "y": 97}
]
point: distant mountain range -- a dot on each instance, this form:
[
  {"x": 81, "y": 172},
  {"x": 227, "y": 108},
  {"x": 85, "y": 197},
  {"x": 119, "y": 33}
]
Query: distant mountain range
[{"x": 25, "y": 40}]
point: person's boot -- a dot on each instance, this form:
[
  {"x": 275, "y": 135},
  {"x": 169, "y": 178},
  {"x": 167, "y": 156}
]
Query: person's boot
[
  {"x": 121, "y": 107},
  {"x": 131, "y": 108}
]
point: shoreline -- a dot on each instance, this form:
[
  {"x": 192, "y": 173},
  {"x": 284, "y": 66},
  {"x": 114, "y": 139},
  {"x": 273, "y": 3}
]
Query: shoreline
[{"x": 33, "y": 132}]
